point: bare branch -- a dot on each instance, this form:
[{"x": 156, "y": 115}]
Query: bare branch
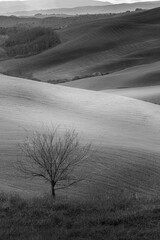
[{"x": 54, "y": 157}]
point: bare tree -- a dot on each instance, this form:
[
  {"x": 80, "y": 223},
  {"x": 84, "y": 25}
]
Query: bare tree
[{"x": 54, "y": 157}]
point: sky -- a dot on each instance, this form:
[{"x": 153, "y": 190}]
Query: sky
[
  {"x": 113, "y": 1},
  {"x": 129, "y": 1}
]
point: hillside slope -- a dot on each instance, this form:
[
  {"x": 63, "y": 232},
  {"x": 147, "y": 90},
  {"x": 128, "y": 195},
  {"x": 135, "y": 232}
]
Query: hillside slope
[
  {"x": 139, "y": 76},
  {"x": 141, "y": 82},
  {"x": 110, "y": 45},
  {"x": 149, "y": 94},
  {"x": 125, "y": 132}
]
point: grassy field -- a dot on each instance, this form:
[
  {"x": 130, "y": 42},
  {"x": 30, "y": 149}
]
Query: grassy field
[
  {"x": 111, "y": 219},
  {"x": 119, "y": 197}
]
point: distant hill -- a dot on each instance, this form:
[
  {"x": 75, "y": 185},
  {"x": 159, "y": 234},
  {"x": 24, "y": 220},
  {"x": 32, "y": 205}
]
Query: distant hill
[
  {"x": 52, "y": 21},
  {"x": 105, "y": 8},
  {"x": 100, "y": 46},
  {"x": 67, "y": 3},
  {"x": 13, "y": 6},
  {"x": 39, "y": 15}
]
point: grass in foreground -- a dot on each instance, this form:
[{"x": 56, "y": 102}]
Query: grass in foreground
[{"x": 41, "y": 218}]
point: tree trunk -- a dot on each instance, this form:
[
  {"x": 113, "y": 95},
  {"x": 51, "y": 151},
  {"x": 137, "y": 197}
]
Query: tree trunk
[{"x": 53, "y": 191}]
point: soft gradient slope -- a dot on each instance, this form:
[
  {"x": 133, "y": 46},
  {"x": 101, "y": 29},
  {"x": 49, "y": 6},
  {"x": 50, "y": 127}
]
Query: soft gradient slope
[
  {"x": 141, "y": 82},
  {"x": 125, "y": 132}
]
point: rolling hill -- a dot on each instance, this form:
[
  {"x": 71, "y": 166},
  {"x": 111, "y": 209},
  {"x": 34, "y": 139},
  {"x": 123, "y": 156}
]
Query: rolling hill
[
  {"x": 134, "y": 77},
  {"x": 110, "y": 45},
  {"x": 141, "y": 82},
  {"x": 124, "y": 131}
]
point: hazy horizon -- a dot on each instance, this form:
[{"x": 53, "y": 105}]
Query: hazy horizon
[{"x": 11, "y": 6}]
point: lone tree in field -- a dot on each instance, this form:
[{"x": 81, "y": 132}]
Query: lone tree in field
[{"x": 54, "y": 157}]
